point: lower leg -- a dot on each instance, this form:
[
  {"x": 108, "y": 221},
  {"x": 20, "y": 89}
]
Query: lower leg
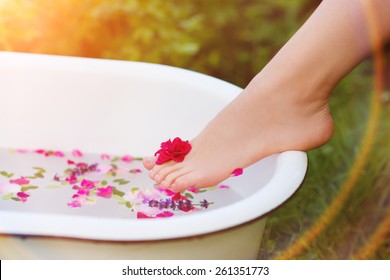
[{"x": 285, "y": 107}]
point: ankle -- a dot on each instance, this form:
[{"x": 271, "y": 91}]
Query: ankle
[
  {"x": 292, "y": 88},
  {"x": 298, "y": 103}
]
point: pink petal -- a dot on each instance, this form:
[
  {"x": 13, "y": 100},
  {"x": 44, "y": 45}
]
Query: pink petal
[
  {"x": 141, "y": 215},
  {"x": 192, "y": 189},
  {"x": 71, "y": 179},
  {"x": 237, "y": 172},
  {"x": 105, "y": 192},
  {"x": 223, "y": 187},
  {"x": 127, "y": 158},
  {"x": 168, "y": 192},
  {"x": 59, "y": 154},
  {"x": 87, "y": 184},
  {"x": 159, "y": 188},
  {"x": 104, "y": 168},
  {"x": 22, "y": 196},
  {"x": 74, "y": 204},
  {"x": 77, "y": 153},
  {"x": 20, "y": 181},
  {"x": 165, "y": 214},
  {"x": 83, "y": 192},
  {"x": 105, "y": 157}
]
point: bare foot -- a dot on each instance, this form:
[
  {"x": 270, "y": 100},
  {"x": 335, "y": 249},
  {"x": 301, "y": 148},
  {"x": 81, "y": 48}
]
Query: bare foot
[
  {"x": 285, "y": 107},
  {"x": 274, "y": 121}
]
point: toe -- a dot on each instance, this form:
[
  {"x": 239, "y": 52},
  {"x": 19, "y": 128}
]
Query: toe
[
  {"x": 158, "y": 172},
  {"x": 171, "y": 177},
  {"x": 166, "y": 183},
  {"x": 167, "y": 175},
  {"x": 181, "y": 183},
  {"x": 149, "y": 162}
]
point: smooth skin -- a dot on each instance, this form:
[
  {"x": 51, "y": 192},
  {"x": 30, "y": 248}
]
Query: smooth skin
[{"x": 285, "y": 107}]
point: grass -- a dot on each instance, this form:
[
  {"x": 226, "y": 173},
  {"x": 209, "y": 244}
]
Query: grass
[{"x": 360, "y": 226}]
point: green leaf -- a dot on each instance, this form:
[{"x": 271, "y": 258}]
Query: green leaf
[
  {"x": 114, "y": 166},
  {"x": 40, "y": 169},
  {"x": 5, "y": 174},
  {"x": 189, "y": 195},
  {"x": 119, "y": 198},
  {"x": 104, "y": 183},
  {"x": 38, "y": 175},
  {"x": 133, "y": 190},
  {"x": 128, "y": 205},
  {"x": 123, "y": 182},
  {"x": 202, "y": 191},
  {"x": 15, "y": 198},
  {"x": 26, "y": 188},
  {"x": 138, "y": 158},
  {"x": 114, "y": 160},
  {"x": 89, "y": 199},
  {"x": 8, "y": 196},
  {"x": 118, "y": 192}
]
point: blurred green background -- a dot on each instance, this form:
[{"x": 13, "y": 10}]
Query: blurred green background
[{"x": 342, "y": 210}]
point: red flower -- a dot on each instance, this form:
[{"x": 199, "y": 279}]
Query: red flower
[{"x": 174, "y": 150}]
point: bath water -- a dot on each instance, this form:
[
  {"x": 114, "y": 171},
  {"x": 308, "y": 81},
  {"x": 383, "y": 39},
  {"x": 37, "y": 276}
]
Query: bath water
[{"x": 101, "y": 185}]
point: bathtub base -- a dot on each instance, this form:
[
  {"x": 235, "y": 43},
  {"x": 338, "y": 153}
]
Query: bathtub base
[{"x": 219, "y": 245}]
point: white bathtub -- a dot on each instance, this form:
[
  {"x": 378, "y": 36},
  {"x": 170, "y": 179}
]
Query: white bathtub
[{"x": 115, "y": 107}]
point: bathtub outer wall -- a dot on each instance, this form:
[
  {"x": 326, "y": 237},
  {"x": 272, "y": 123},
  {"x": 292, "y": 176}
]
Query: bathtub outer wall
[{"x": 240, "y": 243}]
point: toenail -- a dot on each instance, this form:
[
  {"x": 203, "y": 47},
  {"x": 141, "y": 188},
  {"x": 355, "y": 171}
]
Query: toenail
[
  {"x": 159, "y": 178},
  {"x": 176, "y": 187}
]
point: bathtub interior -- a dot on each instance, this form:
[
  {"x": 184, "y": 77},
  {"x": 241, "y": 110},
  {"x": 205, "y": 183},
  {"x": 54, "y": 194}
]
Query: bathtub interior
[{"x": 117, "y": 108}]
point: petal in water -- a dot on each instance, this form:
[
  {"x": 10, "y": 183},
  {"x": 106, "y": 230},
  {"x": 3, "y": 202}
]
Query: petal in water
[
  {"x": 77, "y": 153},
  {"x": 237, "y": 172}
]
